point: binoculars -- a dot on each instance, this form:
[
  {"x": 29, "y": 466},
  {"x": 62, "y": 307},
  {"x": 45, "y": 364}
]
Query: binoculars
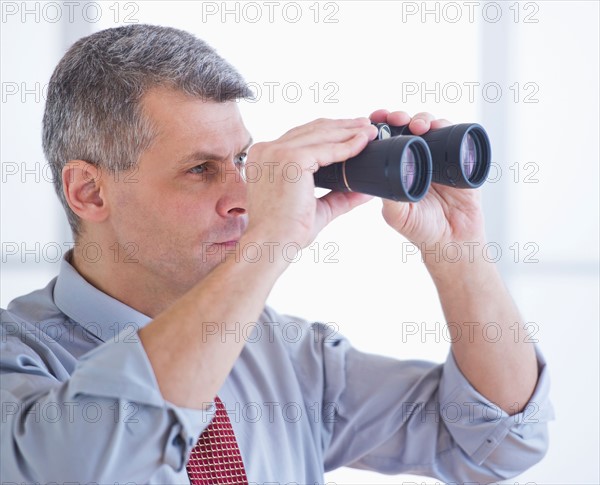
[{"x": 400, "y": 166}]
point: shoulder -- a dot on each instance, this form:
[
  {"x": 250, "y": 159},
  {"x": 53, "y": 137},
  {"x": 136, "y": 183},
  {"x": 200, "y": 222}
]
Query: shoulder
[
  {"x": 36, "y": 306},
  {"x": 33, "y": 317}
]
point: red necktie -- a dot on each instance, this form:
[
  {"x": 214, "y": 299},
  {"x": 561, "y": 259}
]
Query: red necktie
[{"x": 216, "y": 458}]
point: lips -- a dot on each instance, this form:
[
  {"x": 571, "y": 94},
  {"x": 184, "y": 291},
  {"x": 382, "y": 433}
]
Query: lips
[
  {"x": 235, "y": 233},
  {"x": 229, "y": 239},
  {"x": 230, "y": 243}
]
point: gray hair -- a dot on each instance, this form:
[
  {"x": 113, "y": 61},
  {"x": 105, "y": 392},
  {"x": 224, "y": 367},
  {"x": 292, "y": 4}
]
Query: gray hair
[{"x": 93, "y": 111}]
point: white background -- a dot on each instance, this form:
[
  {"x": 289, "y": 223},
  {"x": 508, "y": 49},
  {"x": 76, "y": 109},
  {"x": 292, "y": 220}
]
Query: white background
[{"x": 542, "y": 213}]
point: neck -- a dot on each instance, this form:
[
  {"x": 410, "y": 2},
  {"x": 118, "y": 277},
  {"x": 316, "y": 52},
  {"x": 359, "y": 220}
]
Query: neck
[{"x": 124, "y": 278}]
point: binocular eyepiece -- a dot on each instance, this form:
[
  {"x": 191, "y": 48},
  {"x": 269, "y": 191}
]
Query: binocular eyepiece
[{"x": 400, "y": 166}]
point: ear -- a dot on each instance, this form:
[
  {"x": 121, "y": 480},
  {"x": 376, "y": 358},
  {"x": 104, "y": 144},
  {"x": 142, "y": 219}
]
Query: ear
[{"x": 84, "y": 190}]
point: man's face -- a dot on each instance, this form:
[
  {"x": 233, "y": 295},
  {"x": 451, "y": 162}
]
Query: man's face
[{"x": 175, "y": 211}]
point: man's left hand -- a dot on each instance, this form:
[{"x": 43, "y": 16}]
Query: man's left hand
[{"x": 445, "y": 214}]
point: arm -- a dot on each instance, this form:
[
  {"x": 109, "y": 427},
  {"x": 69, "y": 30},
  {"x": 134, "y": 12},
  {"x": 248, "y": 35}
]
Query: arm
[
  {"x": 95, "y": 408},
  {"x": 471, "y": 291},
  {"x": 190, "y": 364},
  {"x": 168, "y": 372},
  {"x": 413, "y": 416},
  {"x": 500, "y": 364}
]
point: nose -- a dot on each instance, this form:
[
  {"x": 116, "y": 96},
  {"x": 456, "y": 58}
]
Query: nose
[{"x": 232, "y": 201}]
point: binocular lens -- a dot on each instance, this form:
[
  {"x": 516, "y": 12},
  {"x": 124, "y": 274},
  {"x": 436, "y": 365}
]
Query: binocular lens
[
  {"x": 468, "y": 155},
  {"x": 475, "y": 156},
  {"x": 408, "y": 168}
]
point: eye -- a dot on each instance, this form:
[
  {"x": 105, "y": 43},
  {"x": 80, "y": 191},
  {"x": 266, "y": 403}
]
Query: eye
[
  {"x": 240, "y": 160},
  {"x": 198, "y": 169}
]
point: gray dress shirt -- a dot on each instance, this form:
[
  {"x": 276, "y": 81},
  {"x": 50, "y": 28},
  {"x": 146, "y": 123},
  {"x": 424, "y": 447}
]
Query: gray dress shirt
[{"x": 80, "y": 403}]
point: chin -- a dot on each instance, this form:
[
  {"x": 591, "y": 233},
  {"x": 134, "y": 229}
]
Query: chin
[{"x": 201, "y": 269}]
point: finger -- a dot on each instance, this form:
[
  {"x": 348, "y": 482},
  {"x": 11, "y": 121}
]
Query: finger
[
  {"x": 329, "y": 124},
  {"x": 396, "y": 213},
  {"x": 441, "y": 123},
  {"x": 379, "y": 116},
  {"x": 395, "y": 118},
  {"x": 313, "y": 138},
  {"x": 420, "y": 123},
  {"x": 311, "y": 156},
  {"x": 312, "y": 150},
  {"x": 335, "y": 204},
  {"x": 398, "y": 118},
  {"x": 344, "y": 123},
  {"x": 329, "y": 153}
]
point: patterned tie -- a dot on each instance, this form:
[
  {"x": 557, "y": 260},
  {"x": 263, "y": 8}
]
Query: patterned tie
[{"x": 216, "y": 458}]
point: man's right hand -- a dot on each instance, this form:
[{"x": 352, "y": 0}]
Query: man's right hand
[
  {"x": 281, "y": 202},
  {"x": 191, "y": 365}
]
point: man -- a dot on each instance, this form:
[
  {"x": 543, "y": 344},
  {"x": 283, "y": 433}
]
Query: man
[{"x": 125, "y": 368}]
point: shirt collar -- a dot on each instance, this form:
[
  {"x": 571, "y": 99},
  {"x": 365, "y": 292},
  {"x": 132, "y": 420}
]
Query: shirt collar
[{"x": 99, "y": 313}]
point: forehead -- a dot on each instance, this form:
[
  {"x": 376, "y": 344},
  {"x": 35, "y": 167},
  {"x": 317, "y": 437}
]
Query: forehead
[{"x": 181, "y": 119}]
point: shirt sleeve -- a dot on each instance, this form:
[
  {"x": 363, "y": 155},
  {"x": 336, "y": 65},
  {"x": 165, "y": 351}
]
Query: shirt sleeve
[
  {"x": 107, "y": 418},
  {"x": 419, "y": 417}
]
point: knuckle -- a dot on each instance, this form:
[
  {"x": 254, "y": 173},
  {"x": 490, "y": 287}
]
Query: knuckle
[
  {"x": 317, "y": 124},
  {"x": 441, "y": 122},
  {"x": 292, "y": 132},
  {"x": 256, "y": 149},
  {"x": 424, "y": 115}
]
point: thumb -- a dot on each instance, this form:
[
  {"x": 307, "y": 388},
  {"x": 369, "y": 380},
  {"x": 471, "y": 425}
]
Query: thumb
[
  {"x": 335, "y": 204},
  {"x": 396, "y": 213}
]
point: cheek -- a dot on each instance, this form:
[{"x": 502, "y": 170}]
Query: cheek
[
  {"x": 136, "y": 212},
  {"x": 163, "y": 217},
  {"x": 189, "y": 213}
]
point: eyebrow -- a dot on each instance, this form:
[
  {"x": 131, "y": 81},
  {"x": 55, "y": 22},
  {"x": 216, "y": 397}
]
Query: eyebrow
[{"x": 202, "y": 155}]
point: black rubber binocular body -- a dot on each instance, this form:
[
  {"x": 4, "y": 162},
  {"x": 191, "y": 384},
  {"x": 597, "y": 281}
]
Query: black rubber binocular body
[{"x": 400, "y": 166}]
